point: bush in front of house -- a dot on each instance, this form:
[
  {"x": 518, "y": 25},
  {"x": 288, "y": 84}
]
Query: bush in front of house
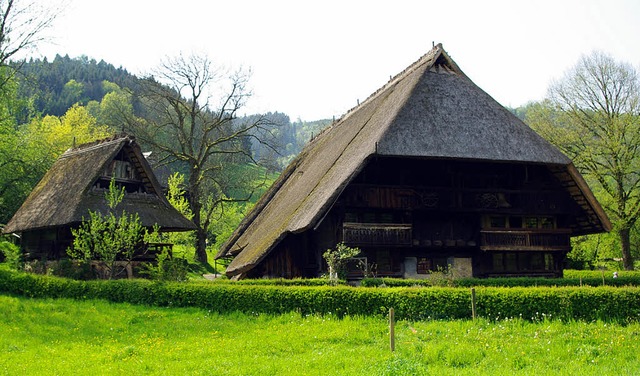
[
  {"x": 589, "y": 280},
  {"x": 282, "y": 282},
  {"x": 529, "y": 303},
  {"x": 11, "y": 254}
]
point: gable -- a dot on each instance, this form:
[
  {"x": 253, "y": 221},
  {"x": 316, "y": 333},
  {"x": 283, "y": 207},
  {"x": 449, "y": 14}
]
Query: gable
[{"x": 78, "y": 180}]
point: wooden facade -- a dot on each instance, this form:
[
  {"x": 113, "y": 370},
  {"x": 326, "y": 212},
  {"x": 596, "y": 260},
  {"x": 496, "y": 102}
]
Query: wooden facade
[{"x": 413, "y": 216}]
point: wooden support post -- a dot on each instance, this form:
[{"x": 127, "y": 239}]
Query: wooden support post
[
  {"x": 473, "y": 303},
  {"x": 392, "y": 334}
]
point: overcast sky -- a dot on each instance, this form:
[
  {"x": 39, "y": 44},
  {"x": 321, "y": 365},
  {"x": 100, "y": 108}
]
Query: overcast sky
[{"x": 316, "y": 59}]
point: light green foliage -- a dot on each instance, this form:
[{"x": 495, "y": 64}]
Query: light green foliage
[
  {"x": 108, "y": 237},
  {"x": 226, "y": 218},
  {"x": 12, "y": 254},
  {"x": 163, "y": 341},
  {"x": 72, "y": 91},
  {"x": 115, "y": 107},
  {"x": 337, "y": 258},
  {"x": 167, "y": 268},
  {"x": 176, "y": 195},
  {"x": 441, "y": 276},
  {"x": 592, "y": 115},
  {"x": 20, "y": 165},
  {"x": 27, "y": 151},
  {"x": 177, "y": 198},
  {"x": 594, "y": 251}
]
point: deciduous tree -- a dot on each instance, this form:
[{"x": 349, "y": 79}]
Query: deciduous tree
[
  {"x": 192, "y": 120},
  {"x": 593, "y": 115}
]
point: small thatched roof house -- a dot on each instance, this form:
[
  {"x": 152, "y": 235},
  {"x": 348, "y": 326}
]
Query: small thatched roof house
[
  {"x": 429, "y": 170},
  {"x": 77, "y": 183}
]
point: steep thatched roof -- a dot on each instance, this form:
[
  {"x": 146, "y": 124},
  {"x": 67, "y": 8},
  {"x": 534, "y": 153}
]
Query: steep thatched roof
[
  {"x": 66, "y": 193},
  {"x": 430, "y": 110}
]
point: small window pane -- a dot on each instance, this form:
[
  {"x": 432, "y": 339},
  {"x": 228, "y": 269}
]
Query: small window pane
[
  {"x": 511, "y": 262},
  {"x": 498, "y": 262},
  {"x": 531, "y": 222},
  {"x": 424, "y": 265},
  {"x": 350, "y": 217},
  {"x": 548, "y": 262},
  {"x": 547, "y": 222},
  {"x": 369, "y": 218},
  {"x": 498, "y": 222},
  {"x": 515, "y": 222},
  {"x": 537, "y": 262}
]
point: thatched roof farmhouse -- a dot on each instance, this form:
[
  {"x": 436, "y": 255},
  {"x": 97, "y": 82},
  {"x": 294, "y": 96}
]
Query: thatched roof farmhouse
[
  {"x": 76, "y": 184},
  {"x": 428, "y": 171}
]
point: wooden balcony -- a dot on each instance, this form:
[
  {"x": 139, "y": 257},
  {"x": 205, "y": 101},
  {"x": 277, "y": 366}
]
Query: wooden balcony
[
  {"x": 377, "y": 234},
  {"x": 525, "y": 240}
]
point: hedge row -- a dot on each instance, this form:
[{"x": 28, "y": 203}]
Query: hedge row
[
  {"x": 279, "y": 282},
  {"x": 535, "y": 303},
  {"x": 575, "y": 274},
  {"x": 507, "y": 282}
]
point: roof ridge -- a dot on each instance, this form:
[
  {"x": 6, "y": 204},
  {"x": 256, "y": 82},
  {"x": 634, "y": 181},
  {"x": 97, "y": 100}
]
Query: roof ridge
[
  {"x": 430, "y": 56},
  {"x": 90, "y": 146}
]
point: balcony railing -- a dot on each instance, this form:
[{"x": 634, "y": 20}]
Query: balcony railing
[
  {"x": 525, "y": 240},
  {"x": 376, "y": 233}
]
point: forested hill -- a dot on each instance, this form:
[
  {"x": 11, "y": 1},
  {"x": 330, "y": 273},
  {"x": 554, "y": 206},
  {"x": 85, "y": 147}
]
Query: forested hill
[{"x": 57, "y": 85}]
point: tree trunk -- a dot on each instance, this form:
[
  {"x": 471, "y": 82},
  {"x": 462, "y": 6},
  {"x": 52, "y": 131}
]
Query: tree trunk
[
  {"x": 625, "y": 243},
  {"x": 201, "y": 246},
  {"x": 201, "y": 233}
]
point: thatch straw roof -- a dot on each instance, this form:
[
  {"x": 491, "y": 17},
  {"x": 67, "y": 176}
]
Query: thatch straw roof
[
  {"x": 66, "y": 193},
  {"x": 430, "y": 110}
]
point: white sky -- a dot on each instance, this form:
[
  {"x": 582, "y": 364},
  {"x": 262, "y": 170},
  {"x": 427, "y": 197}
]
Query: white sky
[{"x": 316, "y": 59}]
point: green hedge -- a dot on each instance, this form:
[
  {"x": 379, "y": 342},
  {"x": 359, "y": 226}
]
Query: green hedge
[
  {"x": 588, "y": 280},
  {"x": 534, "y": 303},
  {"x": 279, "y": 282},
  {"x": 608, "y": 274}
]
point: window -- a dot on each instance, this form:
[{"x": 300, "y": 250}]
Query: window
[
  {"x": 498, "y": 262},
  {"x": 531, "y": 222},
  {"x": 424, "y": 265},
  {"x": 537, "y": 262},
  {"x": 549, "y": 264},
  {"x": 498, "y": 222},
  {"x": 427, "y": 265},
  {"x": 515, "y": 222},
  {"x": 513, "y": 262},
  {"x": 547, "y": 222}
]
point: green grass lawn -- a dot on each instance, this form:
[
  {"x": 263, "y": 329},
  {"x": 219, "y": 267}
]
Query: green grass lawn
[{"x": 66, "y": 337}]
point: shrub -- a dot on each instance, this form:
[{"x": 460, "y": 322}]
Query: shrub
[
  {"x": 533, "y": 303},
  {"x": 623, "y": 280},
  {"x": 12, "y": 254},
  {"x": 110, "y": 237},
  {"x": 337, "y": 258},
  {"x": 167, "y": 268}
]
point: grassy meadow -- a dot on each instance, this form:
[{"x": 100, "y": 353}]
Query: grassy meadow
[{"x": 66, "y": 337}]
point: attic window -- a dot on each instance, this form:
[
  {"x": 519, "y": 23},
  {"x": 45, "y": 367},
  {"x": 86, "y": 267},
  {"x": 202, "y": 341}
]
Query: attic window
[{"x": 121, "y": 168}]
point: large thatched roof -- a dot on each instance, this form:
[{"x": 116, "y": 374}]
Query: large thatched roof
[
  {"x": 430, "y": 110},
  {"x": 66, "y": 193}
]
